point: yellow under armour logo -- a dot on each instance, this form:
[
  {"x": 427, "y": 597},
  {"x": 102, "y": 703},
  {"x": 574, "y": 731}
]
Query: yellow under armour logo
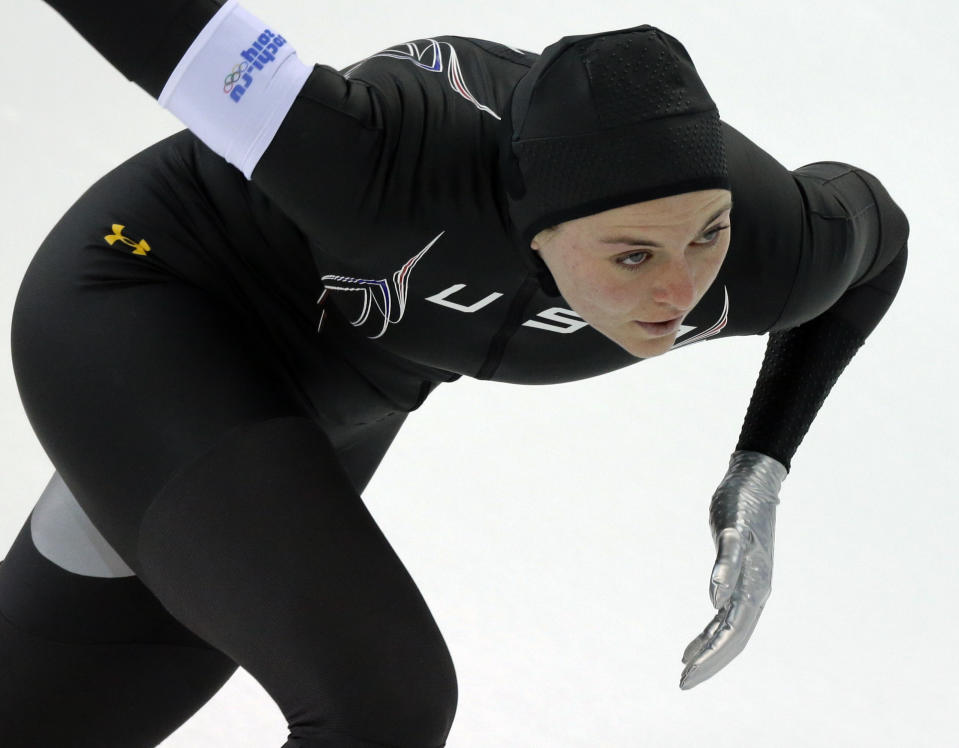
[{"x": 140, "y": 248}]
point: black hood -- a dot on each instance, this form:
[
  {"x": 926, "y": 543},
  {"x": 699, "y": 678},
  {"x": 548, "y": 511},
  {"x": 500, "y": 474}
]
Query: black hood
[{"x": 605, "y": 120}]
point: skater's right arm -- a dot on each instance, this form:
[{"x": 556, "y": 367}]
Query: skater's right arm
[{"x": 307, "y": 136}]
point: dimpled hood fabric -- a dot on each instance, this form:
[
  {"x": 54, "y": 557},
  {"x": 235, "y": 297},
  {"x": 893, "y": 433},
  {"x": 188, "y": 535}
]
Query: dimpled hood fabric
[{"x": 604, "y": 120}]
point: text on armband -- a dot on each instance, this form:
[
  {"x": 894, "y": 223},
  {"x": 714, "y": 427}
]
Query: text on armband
[{"x": 260, "y": 54}]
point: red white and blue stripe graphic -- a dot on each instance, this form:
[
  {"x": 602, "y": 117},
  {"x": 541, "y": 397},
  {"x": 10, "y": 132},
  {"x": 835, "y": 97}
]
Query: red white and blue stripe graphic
[
  {"x": 430, "y": 57},
  {"x": 377, "y": 293},
  {"x": 710, "y": 332}
]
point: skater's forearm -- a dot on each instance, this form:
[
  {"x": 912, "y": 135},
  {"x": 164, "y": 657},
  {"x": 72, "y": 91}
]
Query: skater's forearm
[
  {"x": 802, "y": 364},
  {"x": 143, "y": 39}
]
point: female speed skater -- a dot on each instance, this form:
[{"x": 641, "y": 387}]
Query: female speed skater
[{"x": 219, "y": 340}]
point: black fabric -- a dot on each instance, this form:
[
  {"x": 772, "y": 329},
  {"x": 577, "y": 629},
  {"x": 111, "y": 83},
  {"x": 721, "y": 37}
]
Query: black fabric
[
  {"x": 55, "y": 605},
  {"x": 802, "y": 364},
  {"x": 144, "y": 41},
  {"x": 94, "y": 663},
  {"x": 603, "y": 120},
  {"x": 294, "y": 581},
  {"x": 799, "y": 369},
  {"x": 571, "y": 177}
]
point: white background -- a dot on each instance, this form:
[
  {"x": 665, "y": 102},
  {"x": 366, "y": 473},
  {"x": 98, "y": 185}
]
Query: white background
[{"x": 560, "y": 533}]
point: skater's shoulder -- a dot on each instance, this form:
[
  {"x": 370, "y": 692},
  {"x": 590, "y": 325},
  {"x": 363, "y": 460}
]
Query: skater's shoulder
[{"x": 496, "y": 49}]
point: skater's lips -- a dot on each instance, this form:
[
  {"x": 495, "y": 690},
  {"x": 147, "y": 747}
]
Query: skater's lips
[{"x": 660, "y": 329}]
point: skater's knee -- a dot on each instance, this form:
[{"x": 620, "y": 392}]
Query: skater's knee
[{"x": 402, "y": 705}]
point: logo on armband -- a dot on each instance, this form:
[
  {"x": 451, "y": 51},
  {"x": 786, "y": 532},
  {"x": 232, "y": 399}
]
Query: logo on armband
[{"x": 259, "y": 55}]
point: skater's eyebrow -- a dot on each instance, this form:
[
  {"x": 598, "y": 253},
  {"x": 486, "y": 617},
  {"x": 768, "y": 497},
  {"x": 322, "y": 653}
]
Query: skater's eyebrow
[{"x": 639, "y": 241}]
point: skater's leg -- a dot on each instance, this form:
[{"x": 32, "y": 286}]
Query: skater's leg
[
  {"x": 90, "y": 656},
  {"x": 188, "y": 452},
  {"x": 291, "y": 577},
  {"x": 93, "y": 662}
]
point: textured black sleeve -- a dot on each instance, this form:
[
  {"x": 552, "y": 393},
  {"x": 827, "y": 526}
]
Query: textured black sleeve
[
  {"x": 804, "y": 360},
  {"x": 143, "y": 40}
]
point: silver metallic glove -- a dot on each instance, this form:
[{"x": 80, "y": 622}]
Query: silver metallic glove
[{"x": 742, "y": 517}]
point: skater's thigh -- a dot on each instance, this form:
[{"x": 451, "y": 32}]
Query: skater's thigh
[{"x": 127, "y": 375}]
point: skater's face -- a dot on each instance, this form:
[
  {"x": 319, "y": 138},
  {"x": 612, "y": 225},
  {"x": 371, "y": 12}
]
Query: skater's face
[{"x": 635, "y": 272}]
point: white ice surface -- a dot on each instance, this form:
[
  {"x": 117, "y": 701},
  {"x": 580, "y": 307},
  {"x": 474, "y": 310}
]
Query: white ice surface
[{"x": 560, "y": 533}]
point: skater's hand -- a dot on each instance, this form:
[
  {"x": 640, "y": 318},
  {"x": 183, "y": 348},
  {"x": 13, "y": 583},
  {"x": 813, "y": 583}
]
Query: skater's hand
[{"x": 742, "y": 517}]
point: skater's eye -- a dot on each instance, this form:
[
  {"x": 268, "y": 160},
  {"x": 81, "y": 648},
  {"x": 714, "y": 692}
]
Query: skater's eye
[
  {"x": 714, "y": 233},
  {"x": 633, "y": 260}
]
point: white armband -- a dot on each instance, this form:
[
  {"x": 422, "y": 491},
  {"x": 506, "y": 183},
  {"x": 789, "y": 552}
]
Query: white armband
[{"x": 235, "y": 85}]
